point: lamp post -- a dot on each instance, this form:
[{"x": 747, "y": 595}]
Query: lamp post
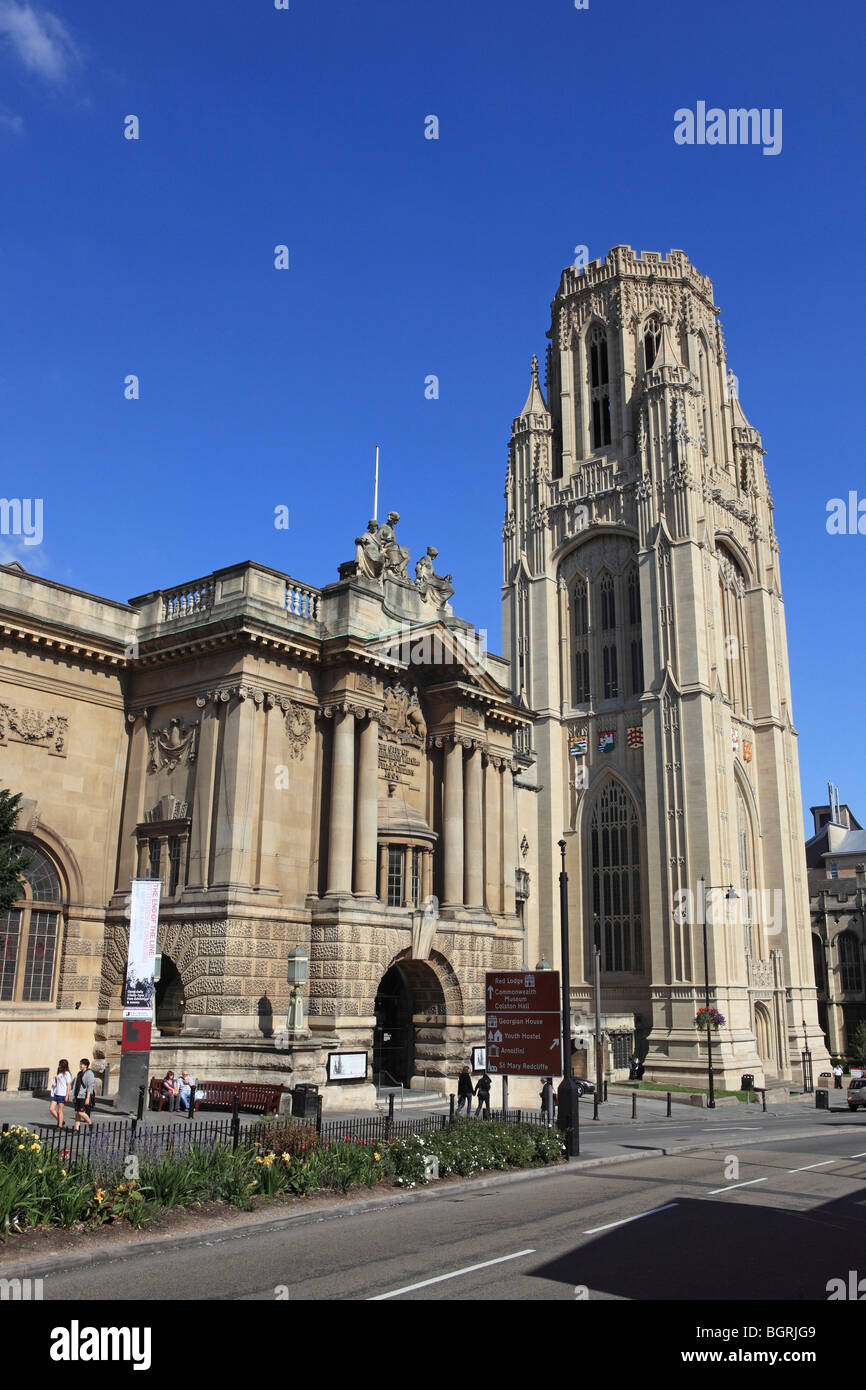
[
  {"x": 808, "y": 1086},
  {"x": 569, "y": 1095},
  {"x": 599, "y": 1041},
  {"x": 297, "y": 976},
  {"x": 732, "y": 896}
]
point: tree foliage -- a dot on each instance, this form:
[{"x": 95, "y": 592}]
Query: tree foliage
[{"x": 13, "y": 856}]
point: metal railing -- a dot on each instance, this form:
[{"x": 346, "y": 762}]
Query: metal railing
[
  {"x": 388, "y": 1090},
  {"x": 109, "y": 1144}
]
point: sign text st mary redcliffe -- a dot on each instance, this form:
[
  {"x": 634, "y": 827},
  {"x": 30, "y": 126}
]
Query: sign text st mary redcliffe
[{"x": 522, "y": 1022}]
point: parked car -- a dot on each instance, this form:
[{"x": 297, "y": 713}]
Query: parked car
[
  {"x": 857, "y": 1092},
  {"x": 587, "y": 1088}
]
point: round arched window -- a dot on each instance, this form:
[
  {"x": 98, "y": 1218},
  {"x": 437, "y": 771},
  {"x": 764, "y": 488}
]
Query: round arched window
[{"x": 29, "y": 932}]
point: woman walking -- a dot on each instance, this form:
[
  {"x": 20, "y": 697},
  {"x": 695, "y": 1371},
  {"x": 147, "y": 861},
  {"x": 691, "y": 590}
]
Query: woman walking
[
  {"x": 482, "y": 1091},
  {"x": 82, "y": 1092},
  {"x": 60, "y": 1087}
]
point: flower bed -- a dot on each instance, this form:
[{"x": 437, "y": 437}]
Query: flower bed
[{"x": 39, "y": 1186}]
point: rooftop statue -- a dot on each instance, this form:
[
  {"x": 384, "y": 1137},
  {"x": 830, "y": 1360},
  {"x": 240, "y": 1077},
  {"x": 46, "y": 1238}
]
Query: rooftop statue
[
  {"x": 377, "y": 552},
  {"x": 430, "y": 585}
]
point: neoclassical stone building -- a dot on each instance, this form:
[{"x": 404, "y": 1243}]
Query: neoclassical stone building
[
  {"x": 327, "y": 769},
  {"x": 644, "y": 621},
  {"x": 343, "y": 770}
]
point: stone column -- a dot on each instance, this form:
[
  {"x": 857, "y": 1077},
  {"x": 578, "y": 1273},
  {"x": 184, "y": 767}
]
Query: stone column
[
  {"x": 492, "y": 839},
  {"x": 275, "y": 797},
  {"x": 383, "y": 873},
  {"x": 203, "y": 792},
  {"x": 164, "y": 866},
  {"x": 238, "y": 798},
  {"x": 473, "y": 826},
  {"x": 342, "y": 804},
  {"x": 133, "y": 809},
  {"x": 367, "y": 810},
  {"x": 509, "y": 839},
  {"x": 453, "y": 825}
]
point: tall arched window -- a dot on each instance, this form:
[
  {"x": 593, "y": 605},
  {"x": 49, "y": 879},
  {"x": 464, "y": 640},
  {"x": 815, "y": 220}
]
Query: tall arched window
[
  {"x": 635, "y": 641},
  {"x": 820, "y": 964},
  {"x": 652, "y": 337},
  {"x": 614, "y": 844},
  {"x": 599, "y": 387},
  {"x": 581, "y": 643},
  {"x": 609, "y": 663},
  {"x": 732, "y": 596},
  {"x": 850, "y": 966},
  {"x": 29, "y": 933},
  {"x": 744, "y": 856}
]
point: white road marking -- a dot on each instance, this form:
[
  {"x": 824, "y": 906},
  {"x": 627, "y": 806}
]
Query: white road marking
[
  {"x": 729, "y": 1129},
  {"x": 626, "y": 1219},
  {"x": 858, "y": 1155},
  {"x": 455, "y": 1274},
  {"x": 732, "y": 1185},
  {"x": 807, "y": 1166}
]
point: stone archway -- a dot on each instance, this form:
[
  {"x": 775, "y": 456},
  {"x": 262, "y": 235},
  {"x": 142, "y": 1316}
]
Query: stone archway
[
  {"x": 764, "y": 1040},
  {"x": 170, "y": 999},
  {"x": 413, "y": 1039}
]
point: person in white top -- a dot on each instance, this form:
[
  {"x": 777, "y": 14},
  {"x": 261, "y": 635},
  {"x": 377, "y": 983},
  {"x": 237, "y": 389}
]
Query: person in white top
[{"x": 60, "y": 1087}]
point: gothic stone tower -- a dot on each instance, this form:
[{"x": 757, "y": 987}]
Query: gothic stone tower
[{"x": 644, "y": 620}]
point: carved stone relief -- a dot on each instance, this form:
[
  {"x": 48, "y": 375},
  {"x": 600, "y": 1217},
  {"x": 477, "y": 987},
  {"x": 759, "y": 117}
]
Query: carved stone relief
[{"x": 36, "y": 727}]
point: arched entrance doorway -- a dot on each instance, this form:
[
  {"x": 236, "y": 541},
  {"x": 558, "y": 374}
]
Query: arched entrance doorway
[
  {"x": 169, "y": 998},
  {"x": 410, "y": 1020},
  {"x": 392, "y": 1038},
  {"x": 764, "y": 1039}
]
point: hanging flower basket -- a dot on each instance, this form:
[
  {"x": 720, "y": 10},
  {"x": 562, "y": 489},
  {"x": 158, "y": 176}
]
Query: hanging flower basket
[{"x": 709, "y": 1018}]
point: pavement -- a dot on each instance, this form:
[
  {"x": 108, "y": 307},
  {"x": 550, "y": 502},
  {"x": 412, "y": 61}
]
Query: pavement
[
  {"x": 616, "y": 1112},
  {"x": 780, "y": 1206}
]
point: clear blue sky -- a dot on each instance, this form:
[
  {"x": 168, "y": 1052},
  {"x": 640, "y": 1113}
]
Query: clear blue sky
[{"x": 409, "y": 257}]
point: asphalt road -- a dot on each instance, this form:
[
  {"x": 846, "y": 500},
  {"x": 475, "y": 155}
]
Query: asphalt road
[{"x": 762, "y": 1220}]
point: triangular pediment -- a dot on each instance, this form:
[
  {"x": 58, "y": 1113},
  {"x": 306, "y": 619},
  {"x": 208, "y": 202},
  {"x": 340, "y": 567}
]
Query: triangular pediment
[{"x": 442, "y": 655}]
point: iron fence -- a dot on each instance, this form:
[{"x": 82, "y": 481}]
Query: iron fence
[{"x": 111, "y": 1142}]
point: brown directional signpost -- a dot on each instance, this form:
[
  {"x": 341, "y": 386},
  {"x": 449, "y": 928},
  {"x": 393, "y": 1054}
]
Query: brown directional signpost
[{"x": 523, "y": 1027}]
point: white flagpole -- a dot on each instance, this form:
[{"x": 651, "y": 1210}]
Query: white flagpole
[{"x": 376, "y": 488}]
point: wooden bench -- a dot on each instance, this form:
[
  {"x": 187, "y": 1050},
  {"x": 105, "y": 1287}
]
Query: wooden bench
[{"x": 251, "y": 1095}]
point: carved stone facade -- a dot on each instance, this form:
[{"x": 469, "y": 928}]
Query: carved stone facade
[
  {"x": 290, "y": 788},
  {"x": 644, "y": 624}
]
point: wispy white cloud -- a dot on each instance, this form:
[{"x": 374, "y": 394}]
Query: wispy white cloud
[
  {"x": 40, "y": 41},
  {"x": 9, "y": 121}
]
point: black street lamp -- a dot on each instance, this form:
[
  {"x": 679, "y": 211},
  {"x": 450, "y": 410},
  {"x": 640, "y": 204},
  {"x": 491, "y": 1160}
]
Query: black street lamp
[
  {"x": 732, "y": 896},
  {"x": 569, "y": 1094},
  {"x": 808, "y": 1085}
]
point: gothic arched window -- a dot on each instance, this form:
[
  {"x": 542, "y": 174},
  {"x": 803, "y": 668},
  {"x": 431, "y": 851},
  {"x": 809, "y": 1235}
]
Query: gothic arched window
[
  {"x": 607, "y": 607},
  {"x": 850, "y": 967},
  {"x": 652, "y": 337},
  {"x": 820, "y": 964},
  {"x": 599, "y": 384},
  {"x": 29, "y": 932},
  {"x": 614, "y": 844},
  {"x": 732, "y": 591},
  {"x": 744, "y": 856},
  {"x": 581, "y": 643},
  {"x": 635, "y": 641}
]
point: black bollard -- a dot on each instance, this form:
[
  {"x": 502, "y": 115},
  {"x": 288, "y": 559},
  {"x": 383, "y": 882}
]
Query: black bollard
[
  {"x": 634, "y": 1105},
  {"x": 669, "y": 1104}
]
